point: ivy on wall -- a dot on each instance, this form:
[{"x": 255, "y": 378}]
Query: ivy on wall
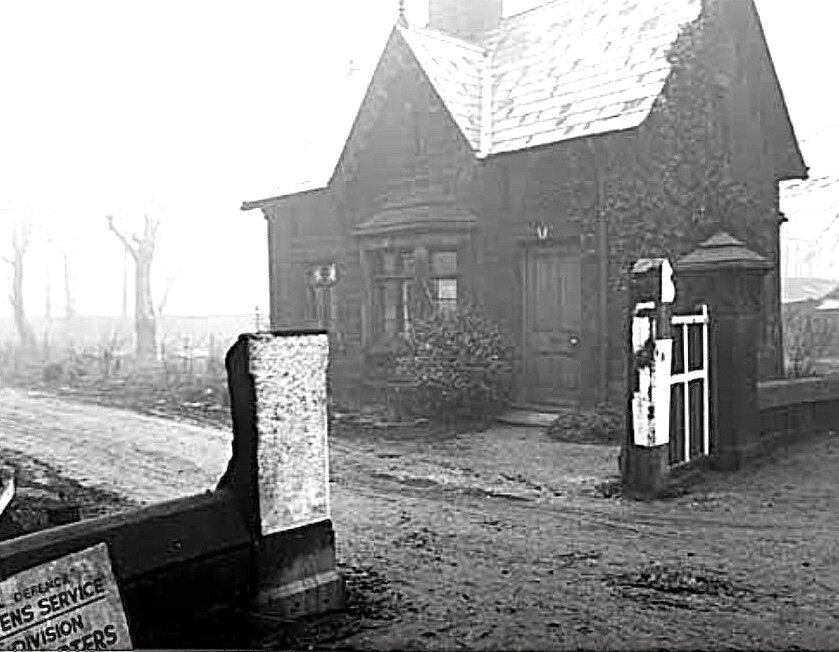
[{"x": 675, "y": 185}]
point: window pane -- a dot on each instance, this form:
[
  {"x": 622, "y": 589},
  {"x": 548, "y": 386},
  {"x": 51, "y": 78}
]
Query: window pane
[
  {"x": 389, "y": 263},
  {"x": 407, "y": 266},
  {"x": 444, "y": 263},
  {"x": 407, "y": 299},
  {"x": 447, "y": 289},
  {"x": 446, "y": 294},
  {"x": 391, "y": 307}
]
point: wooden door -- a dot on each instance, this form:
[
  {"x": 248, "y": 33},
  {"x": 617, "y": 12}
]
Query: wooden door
[{"x": 552, "y": 326}]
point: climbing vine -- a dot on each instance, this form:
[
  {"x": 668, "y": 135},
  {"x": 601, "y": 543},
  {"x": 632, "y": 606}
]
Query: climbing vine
[{"x": 676, "y": 185}]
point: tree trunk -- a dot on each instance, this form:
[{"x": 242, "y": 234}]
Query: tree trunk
[
  {"x": 69, "y": 304},
  {"x": 144, "y": 318},
  {"x": 24, "y": 330}
]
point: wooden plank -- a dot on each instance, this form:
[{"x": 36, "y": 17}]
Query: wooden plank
[{"x": 143, "y": 541}]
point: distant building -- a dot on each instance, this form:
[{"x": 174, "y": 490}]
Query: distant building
[
  {"x": 811, "y": 239},
  {"x": 523, "y": 163}
]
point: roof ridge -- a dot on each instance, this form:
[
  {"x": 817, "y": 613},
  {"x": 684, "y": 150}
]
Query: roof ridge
[{"x": 442, "y": 36}]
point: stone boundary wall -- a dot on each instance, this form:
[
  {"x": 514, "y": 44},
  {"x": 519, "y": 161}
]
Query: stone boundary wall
[{"x": 797, "y": 407}]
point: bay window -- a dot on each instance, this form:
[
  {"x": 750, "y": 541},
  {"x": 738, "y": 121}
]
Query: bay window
[
  {"x": 407, "y": 281},
  {"x": 414, "y": 261}
]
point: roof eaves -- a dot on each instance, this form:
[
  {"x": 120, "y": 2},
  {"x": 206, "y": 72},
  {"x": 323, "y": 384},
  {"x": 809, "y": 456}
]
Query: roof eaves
[
  {"x": 512, "y": 148},
  {"x": 803, "y": 171},
  {"x": 268, "y": 201}
]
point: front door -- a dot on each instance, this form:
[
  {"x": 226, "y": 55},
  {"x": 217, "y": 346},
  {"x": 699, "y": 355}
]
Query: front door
[{"x": 552, "y": 326}]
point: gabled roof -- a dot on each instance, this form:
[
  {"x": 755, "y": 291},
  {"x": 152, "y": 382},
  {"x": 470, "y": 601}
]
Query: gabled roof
[
  {"x": 455, "y": 68},
  {"x": 563, "y": 70},
  {"x": 566, "y": 69},
  {"x": 574, "y": 68}
]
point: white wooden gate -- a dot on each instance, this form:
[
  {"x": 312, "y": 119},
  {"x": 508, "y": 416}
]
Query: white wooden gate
[{"x": 690, "y": 429}]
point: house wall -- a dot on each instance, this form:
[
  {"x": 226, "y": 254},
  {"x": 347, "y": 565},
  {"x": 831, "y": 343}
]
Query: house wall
[
  {"x": 555, "y": 187},
  {"x": 706, "y": 159},
  {"x": 403, "y": 149}
]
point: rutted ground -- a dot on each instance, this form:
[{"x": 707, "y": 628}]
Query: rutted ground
[{"x": 500, "y": 539}]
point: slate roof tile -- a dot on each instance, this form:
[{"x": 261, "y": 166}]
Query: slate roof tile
[{"x": 562, "y": 70}]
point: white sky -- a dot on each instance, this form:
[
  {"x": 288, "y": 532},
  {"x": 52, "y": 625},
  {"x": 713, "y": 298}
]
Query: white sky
[{"x": 184, "y": 109}]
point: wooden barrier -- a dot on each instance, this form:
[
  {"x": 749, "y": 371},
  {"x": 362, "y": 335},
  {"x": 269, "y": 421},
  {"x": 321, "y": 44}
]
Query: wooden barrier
[{"x": 190, "y": 570}]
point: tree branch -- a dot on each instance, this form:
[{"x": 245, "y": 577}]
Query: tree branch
[
  {"x": 122, "y": 238},
  {"x": 151, "y": 227},
  {"x": 165, "y": 297},
  {"x": 8, "y": 260}
]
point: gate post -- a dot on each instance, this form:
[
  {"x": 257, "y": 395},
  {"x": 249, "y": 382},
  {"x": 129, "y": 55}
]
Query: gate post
[
  {"x": 646, "y": 449},
  {"x": 727, "y": 276},
  {"x": 280, "y": 469}
]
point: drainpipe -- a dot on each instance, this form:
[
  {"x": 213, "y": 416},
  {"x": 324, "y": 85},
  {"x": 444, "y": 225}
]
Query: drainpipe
[{"x": 599, "y": 164}]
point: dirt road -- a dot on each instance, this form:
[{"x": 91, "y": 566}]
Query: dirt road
[
  {"x": 146, "y": 459},
  {"x": 500, "y": 540}
]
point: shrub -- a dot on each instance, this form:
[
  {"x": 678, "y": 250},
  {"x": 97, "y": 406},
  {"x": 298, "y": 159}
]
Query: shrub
[
  {"x": 602, "y": 425},
  {"x": 458, "y": 364}
]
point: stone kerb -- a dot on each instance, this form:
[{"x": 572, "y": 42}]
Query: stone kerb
[{"x": 280, "y": 468}]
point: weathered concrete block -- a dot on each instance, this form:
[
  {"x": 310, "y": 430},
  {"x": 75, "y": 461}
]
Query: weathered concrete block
[
  {"x": 280, "y": 468},
  {"x": 289, "y": 376}
]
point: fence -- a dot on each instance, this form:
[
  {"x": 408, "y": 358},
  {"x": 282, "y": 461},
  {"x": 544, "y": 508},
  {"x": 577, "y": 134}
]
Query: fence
[{"x": 690, "y": 431}]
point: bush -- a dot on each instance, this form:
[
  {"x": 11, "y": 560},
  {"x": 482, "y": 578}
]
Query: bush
[
  {"x": 603, "y": 425},
  {"x": 458, "y": 364}
]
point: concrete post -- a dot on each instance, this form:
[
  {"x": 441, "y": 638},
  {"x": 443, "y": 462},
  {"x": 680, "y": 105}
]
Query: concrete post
[
  {"x": 280, "y": 469},
  {"x": 646, "y": 450},
  {"x": 727, "y": 276}
]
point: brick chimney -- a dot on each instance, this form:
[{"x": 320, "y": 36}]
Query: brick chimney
[{"x": 464, "y": 18}]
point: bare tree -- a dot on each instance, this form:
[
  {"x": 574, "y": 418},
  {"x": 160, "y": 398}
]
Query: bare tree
[
  {"x": 69, "y": 298},
  {"x": 141, "y": 249},
  {"x": 20, "y": 239}
]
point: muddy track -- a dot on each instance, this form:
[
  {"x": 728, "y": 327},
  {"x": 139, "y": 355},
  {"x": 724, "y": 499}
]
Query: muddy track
[{"x": 498, "y": 540}]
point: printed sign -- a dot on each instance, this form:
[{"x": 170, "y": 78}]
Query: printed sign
[{"x": 71, "y": 603}]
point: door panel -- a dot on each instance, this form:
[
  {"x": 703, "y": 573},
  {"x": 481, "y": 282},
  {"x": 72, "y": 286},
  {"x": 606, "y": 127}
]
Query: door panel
[{"x": 552, "y": 326}]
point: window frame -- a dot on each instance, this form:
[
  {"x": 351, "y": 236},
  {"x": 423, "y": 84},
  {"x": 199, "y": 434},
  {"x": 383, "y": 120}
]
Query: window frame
[
  {"x": 456, "y": 276},
  {"x": 382, "y": 281}
]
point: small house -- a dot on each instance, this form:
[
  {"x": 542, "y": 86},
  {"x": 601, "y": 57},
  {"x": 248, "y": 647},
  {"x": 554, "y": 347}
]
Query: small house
[{"x": 523, "y": 163}]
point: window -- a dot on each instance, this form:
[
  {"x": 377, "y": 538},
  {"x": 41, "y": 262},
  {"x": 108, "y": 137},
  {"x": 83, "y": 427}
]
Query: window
[
  {"x": 320, "y": 295},
  {"x": 394, "y": 291},
  {"x": 398, "y": 289},
  {"x": 320, "y": 306},
  {"x": 444, "y": 280}
]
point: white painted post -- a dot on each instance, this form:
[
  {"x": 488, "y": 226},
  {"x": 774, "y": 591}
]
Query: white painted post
[
  {"x": 646, "y": 451},
  {"x": 706, "y": 383},
  {"x": 651, "y": 341}
]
